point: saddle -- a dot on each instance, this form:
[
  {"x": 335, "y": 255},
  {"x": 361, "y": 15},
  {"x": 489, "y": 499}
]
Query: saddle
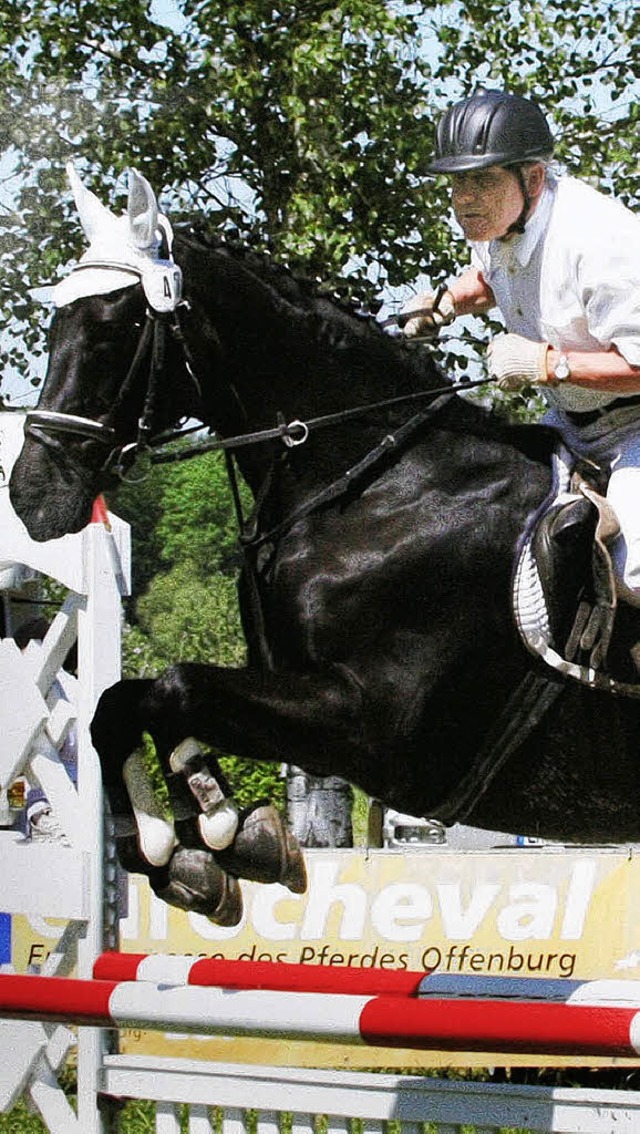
[
  {"x": 568, "y": 615},
  {"x": 565, "y": 597}
]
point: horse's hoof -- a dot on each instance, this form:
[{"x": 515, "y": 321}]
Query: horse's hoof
[
  {"x": 264, "y": 850},
  {"x": 194, "y": 881}
]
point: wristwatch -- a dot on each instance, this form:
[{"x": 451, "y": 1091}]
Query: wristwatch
[{"x": 562, "y": 369}]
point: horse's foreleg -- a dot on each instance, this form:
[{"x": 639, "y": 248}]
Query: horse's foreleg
[
  {"x": 313, "y": 720},
  {"x": 184, "y": 876},
  {"x": 218, "y": 820},
  {"x": 156, "y": 833}
]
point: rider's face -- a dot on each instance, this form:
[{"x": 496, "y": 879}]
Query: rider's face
[{"x": 486, "y": 201}]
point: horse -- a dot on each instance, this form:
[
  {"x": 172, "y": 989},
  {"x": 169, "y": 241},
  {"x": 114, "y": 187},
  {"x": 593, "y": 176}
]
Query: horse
[{"x": 376, "y": 585}]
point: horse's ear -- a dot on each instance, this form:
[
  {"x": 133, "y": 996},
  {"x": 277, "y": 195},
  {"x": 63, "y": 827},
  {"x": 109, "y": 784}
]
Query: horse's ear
[
  {"x": 91, "y": 211},
  {"x": 143, "y": 211}
]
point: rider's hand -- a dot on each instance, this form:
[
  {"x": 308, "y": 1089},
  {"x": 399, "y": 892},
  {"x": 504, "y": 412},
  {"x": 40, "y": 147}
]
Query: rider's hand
[
  {"x": 434, "y": 310},
  {"x": 516, "y": 362}
]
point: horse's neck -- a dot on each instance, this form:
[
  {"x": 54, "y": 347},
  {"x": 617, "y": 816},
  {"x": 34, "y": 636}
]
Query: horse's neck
[{"x": 269, "y": 355}]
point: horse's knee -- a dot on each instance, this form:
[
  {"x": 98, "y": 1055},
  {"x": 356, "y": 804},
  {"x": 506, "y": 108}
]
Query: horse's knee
[{"x": 117, "y": 725}]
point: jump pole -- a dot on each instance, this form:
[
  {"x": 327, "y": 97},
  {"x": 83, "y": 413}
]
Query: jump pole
[
  {"x": 605, "y": 1022},
  {"x": 170, "y": 968}
]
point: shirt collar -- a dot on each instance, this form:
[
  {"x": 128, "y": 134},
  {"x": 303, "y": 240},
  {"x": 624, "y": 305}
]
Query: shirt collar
[{"x": 521, "y": 248}]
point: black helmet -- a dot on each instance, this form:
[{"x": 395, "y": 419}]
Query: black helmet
[{"x": 490, "y": 128}]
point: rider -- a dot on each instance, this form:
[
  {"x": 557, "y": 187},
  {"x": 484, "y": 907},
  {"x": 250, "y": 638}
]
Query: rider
[{"x": 562, "y": 263}]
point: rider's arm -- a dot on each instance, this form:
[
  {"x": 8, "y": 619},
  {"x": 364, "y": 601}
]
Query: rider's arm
[
  {"x": 604, "y": 370},
  {"x": 471, "y": 293}
]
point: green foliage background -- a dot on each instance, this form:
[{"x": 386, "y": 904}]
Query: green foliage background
[{"x": 306, "y": 124}]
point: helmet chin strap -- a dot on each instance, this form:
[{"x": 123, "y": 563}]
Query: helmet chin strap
[{"x": 518, "y": 225}]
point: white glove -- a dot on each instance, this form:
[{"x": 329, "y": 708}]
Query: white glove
[
  {"x": 434, "y": 310},
  {"x": 516, "y": 362}
]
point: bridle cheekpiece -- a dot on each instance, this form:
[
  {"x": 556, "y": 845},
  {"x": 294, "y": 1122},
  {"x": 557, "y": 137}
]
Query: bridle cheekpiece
[{"x": 161, "y": 279}]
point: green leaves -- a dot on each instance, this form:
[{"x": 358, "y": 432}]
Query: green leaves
[{"x": 306, "y": 125}]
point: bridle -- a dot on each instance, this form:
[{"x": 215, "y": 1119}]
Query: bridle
[{"x": 45, "y": 425}]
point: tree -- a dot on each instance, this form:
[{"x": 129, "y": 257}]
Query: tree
[
  {"x": 306, "y": 124},
  {"x": 290, "y": 123}
]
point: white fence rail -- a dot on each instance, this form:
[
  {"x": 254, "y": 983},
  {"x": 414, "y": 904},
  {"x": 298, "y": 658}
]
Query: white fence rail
[
  {"x": 290, "y": 1101},
  {"x": 69, "y": 882}
]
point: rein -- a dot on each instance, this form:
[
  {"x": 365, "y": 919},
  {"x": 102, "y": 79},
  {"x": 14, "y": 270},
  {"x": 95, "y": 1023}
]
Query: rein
[
  {"x": 296, "y": 432},
  {"x": 391, "y": 442},
  {"x": 41, "y": 424}
]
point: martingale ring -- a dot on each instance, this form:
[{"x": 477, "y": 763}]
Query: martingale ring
[{"x": 290, "y": 439}]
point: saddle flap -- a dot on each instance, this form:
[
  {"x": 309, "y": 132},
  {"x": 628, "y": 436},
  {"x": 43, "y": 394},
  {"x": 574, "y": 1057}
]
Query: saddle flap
[{"x": 565, "y": 592}]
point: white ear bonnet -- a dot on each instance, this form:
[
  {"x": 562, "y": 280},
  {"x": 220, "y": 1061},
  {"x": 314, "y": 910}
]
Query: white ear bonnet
[{"x": 123, "y": 248}]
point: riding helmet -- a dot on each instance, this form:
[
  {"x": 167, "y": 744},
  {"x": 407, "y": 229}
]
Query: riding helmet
[{"x": 490, "y": 128}]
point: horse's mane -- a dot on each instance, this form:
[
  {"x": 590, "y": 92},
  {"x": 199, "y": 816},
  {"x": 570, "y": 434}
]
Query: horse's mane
[
  {"x": 293, "y": 282},
  {"x": 297, "y": 286}
]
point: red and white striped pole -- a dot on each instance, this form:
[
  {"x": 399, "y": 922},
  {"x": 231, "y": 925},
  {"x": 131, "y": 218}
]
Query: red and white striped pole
[
  {"x": 602, "y": 1020},
  {"x": 170, "y": 968}
]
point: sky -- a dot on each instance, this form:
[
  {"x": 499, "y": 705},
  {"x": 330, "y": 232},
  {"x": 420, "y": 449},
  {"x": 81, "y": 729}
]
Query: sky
[{"x": 166, "y": 12}]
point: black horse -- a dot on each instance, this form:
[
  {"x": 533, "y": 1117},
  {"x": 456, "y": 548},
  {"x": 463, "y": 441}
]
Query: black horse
[{"x": 376, "y": 590}]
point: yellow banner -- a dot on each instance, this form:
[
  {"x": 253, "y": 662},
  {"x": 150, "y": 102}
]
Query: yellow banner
[{"x": 542, "y": 912}]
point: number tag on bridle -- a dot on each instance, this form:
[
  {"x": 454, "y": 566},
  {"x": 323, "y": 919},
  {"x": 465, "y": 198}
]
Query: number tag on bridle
[{"x": 162, "y": 283}]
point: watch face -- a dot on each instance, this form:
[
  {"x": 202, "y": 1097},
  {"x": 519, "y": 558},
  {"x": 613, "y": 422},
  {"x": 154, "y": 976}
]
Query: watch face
[{"x": 562, "y": 369}]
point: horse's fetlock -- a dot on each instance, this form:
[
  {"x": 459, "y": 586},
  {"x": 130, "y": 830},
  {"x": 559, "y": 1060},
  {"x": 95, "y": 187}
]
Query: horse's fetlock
[
  {"x": 218, "y": 822},
  {"x": 185, "y": 755}
]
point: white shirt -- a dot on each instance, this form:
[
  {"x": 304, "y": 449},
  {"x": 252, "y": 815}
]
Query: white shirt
[{"x": 572, "y": 279}]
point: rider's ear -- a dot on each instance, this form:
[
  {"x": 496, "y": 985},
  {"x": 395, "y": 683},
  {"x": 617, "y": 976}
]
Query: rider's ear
[
  {"x": 535, "y": 174},
  {"x": 142, "y": 208}
]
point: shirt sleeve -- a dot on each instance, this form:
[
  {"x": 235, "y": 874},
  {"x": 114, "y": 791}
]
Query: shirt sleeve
[{"x": 609, "y": 282}]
